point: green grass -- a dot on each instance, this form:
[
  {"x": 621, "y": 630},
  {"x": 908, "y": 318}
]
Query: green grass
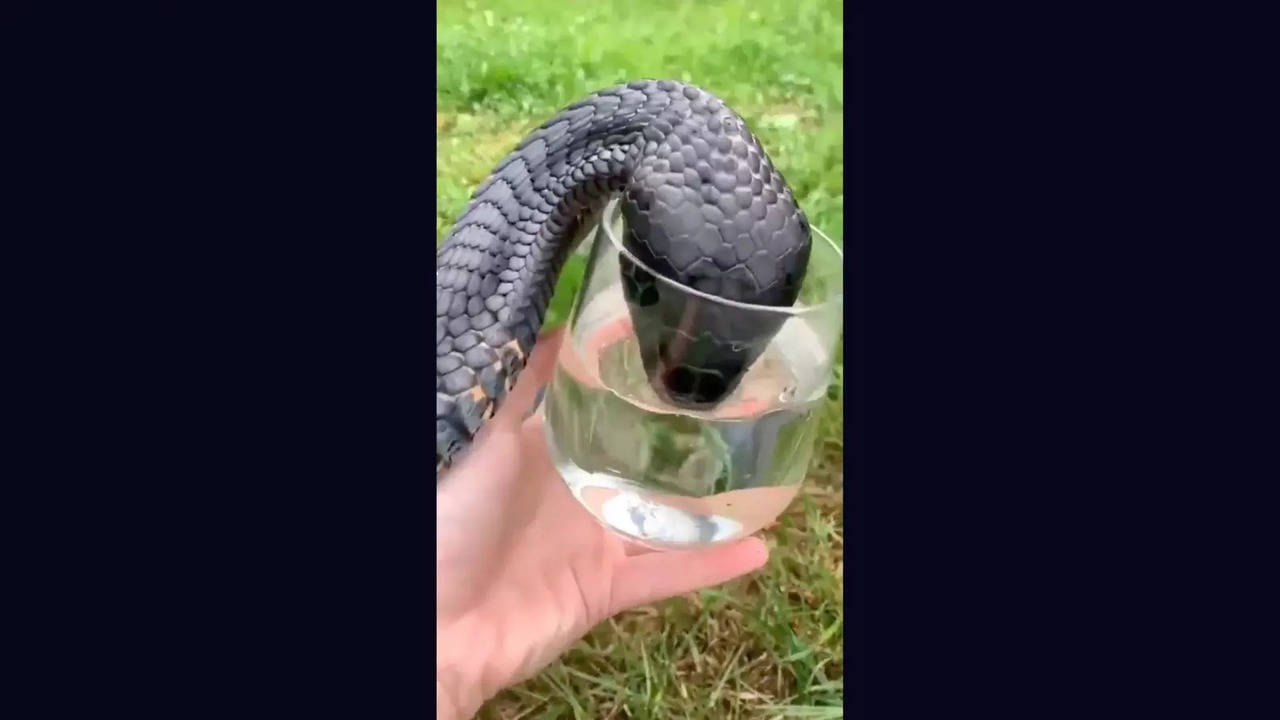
[{"x": 762, "y": 647}]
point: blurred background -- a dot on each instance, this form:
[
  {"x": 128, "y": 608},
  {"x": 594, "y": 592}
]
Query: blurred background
[{"x": 768, "y": 646}]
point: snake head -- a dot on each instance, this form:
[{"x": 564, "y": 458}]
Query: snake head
[
  {"x": 695, "y": 347},
  {"x": 716, "y": 221},
  {"x": 695, "y": 350}
]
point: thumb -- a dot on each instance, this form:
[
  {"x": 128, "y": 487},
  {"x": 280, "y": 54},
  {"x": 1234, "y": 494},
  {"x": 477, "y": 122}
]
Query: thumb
[
  {"x": 643, "y": 579},
  {"x": 536, "y": 374}
]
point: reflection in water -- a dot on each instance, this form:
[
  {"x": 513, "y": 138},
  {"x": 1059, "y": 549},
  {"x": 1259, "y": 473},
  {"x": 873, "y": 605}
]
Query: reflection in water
[
  {"x": 631, "y": 514},
  {"x": 673, "y": 522}
]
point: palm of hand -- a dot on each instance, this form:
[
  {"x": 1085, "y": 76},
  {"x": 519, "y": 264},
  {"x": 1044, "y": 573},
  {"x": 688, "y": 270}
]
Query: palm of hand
[{"x": 523, "y": 571}]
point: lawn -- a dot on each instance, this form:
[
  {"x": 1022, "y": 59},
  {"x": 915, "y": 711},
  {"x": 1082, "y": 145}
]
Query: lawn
[{"x": 768, "y": 646}]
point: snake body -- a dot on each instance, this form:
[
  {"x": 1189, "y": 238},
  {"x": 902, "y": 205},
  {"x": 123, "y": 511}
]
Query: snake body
[{"x": 704, "y": 207}]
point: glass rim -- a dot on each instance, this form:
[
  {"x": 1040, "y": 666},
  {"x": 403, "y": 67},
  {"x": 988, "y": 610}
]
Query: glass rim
[{"x": 611, "y": 211}]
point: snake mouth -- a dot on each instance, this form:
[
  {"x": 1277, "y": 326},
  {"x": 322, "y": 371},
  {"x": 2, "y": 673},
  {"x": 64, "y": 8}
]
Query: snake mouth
[
  {"x": 695, "y": 385},
  {"x": 685, "y": 387}
]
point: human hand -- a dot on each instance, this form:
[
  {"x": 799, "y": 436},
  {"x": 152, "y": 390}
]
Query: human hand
[{"x": 523, "y": 571}]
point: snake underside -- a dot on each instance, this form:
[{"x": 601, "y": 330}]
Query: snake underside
[{"x": 703, "y": 204}]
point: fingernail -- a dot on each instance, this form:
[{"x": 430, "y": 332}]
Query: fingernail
[{"x": 537, "y": 402}]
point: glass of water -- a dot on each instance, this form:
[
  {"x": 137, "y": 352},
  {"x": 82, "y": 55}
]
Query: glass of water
[{"x": 679, "y": 419}]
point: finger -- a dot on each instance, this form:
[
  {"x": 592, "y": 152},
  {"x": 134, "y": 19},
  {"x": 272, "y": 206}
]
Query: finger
[
  {"x": 643, "y": 579},
  {"x": 535, "y": 375}
]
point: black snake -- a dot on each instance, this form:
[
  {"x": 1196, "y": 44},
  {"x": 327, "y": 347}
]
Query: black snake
[{"x": 704, "y": 207}]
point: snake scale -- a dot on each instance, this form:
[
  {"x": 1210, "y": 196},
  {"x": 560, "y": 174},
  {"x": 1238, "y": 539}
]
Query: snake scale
[{"x": 703, "y": 206}]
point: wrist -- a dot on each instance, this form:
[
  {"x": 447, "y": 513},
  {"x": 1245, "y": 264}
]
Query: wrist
[
  {"x": 462, "y": 656},
  {"x": 448, "y": 704}
]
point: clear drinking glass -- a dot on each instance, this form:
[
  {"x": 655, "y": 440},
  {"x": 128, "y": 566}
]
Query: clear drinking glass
[{"x": 679, "y": 475}]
